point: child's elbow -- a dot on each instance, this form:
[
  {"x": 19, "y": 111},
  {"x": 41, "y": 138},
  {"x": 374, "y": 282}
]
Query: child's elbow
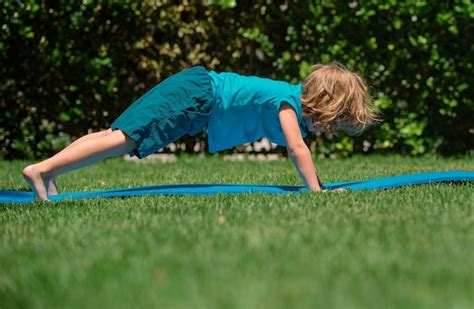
[{"x": 297, "y": 149}]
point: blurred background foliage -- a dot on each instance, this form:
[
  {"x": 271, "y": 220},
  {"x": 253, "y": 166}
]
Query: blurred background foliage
[{"x": 69, "y": 67}]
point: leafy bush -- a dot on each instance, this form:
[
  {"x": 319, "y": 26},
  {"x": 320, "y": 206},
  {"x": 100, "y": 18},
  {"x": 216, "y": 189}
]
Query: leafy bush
[{"x": 69, "y": 68}]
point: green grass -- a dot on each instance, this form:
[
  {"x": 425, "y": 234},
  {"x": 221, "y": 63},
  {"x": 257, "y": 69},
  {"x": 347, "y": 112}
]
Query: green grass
[{"x": 402, "y": 248}]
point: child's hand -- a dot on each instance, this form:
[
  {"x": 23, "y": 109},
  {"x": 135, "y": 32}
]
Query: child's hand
[
  {"x": 326, "y": 190},
  {"x": 335, "y": 190}
]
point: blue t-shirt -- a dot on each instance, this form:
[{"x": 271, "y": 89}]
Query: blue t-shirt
[{"x": 245, "y": 109}]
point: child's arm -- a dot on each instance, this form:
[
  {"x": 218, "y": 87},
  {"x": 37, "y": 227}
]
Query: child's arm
[
  {"x": 297, "y": 149},
  {"x": 293, "y": 159}
]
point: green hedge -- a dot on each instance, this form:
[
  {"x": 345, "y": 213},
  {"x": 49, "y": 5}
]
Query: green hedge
[{"x": 69, "y": 68}]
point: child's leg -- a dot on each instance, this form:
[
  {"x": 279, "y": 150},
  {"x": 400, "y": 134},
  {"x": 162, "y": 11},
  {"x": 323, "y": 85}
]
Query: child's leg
[
  {"x": 76, "y": 156},
  {"x": 51, "y": 186},
  {"x": 89, "y": 136}
]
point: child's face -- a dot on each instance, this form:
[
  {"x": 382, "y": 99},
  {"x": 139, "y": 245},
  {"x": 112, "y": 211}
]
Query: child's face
[
  {"x": 312, "y": 128},
  {"x": 349, "y": 129}
]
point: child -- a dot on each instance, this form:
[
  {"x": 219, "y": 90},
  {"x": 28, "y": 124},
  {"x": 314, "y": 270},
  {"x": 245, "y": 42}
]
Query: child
[{"x": 236, "y": 109}]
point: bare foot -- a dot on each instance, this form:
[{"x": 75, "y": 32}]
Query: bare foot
[
  {"x": 52, "y": 187},
  {"x": 34, "y": 178}
]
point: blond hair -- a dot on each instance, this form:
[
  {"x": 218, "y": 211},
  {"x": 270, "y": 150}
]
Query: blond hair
[{"x": 336, "y": 98}]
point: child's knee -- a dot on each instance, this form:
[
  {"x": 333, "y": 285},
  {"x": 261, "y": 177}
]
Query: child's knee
[{"x": 122, "y": 135}]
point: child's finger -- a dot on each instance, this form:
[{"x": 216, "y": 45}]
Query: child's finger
[{"x": 335, "y": 190}]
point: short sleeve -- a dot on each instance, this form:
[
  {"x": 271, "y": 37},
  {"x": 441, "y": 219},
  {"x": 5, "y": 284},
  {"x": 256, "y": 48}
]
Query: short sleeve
[{"x": 296, "y": 105}]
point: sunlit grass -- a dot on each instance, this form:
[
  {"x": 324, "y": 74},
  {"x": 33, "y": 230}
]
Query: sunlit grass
[{"x": 409, "y": 247}]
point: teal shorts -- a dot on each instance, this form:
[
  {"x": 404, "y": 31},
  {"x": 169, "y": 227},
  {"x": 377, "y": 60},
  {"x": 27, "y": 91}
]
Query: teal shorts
[{"x": 178, "y": 105}]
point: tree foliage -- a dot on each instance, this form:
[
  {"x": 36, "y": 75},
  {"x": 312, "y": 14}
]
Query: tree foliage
[{"x": 68, "y": 67}]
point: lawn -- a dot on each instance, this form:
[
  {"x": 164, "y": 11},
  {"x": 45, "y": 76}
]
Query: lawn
[{"x": 410, "y": 247}]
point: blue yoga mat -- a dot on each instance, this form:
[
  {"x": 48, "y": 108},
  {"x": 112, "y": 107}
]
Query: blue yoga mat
[{"x": 186, "y": 189}]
